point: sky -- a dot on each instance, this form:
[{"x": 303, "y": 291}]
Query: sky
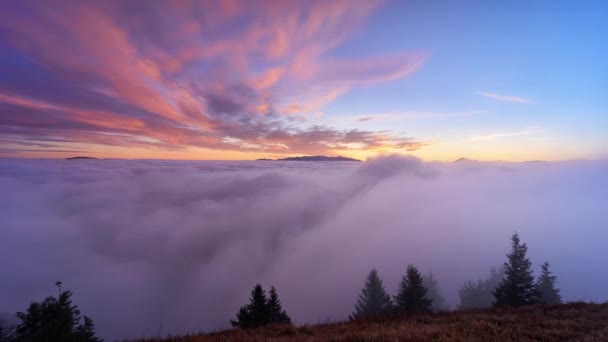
[{"x": 229, "y": 80}]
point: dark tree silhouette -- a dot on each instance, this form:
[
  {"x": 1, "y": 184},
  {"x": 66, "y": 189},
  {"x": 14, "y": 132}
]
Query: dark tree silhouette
[
  {"x": 434, "y": 293},
  {"x": 276, "y": 314},
  {"x": 261, "y": 311},
  {"x": 480, "y": 294},
  {"x": 412, "y": 295},
  {"x": 545, "y": 287},
  {"x": 472, "y": 296},
  {"x": 5, "y": 330},
  {"x": 373, "y": 300},
  {"x": 54, "y": 319},
  {"x": 255, "y": 313},
  {"x": 517, "y": 288}
]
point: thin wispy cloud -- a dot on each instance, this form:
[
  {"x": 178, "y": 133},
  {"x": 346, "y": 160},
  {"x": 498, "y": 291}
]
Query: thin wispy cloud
[
  {"x": 505, "y": 98},
  {"x": 397, "y": 116},
  {"x": 493, "y": 136}
]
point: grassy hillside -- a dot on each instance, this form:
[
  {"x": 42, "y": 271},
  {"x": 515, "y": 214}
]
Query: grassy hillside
[{"x": 567, "y": 322}]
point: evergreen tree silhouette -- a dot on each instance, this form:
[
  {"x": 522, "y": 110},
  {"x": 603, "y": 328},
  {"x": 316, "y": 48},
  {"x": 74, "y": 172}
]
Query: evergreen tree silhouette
[
  {"x": 480, "y": 294},
  {"x": 472, "y": 296},
  {"x": 255, "y": 314},
  {"x": 517, "y": 288},
  {"x": 412, "y": 295},
  {"x": 86, "y": 331},
  {"x": 261, "y": 311},
  {"x": 54, "y": 319},
  {"x": 373, "y": 300},
  {"x": 545, "y": 287},
  {"x": 4, "y": 331},
  {"x": 243, "y": 319},
  {"x": 276, "y": 314},
  {"x": 434, "y": 293}
]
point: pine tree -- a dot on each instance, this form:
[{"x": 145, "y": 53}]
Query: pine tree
[
  {"x": 54, "y": 319},
  {"x": 412, "y": 295},
  {"x": 545, "y": 287},
  {"x": 497, "y": 274},
  {"x": 255, "y": 314},
  {"x": 261, "y": 311},
  {"x": 86, "y": 331},
  {"x": 480, "y": 294},
  {"x": 472, "y": 296},
  {"x": 244, "y": 319},
  {"x": 517, "y": 288},
  {"x": 373, "y": 300},
  {"x": 276, "y": 314},
  {"x": 4, "y": 331},
  {"x": 434, "y": 293}
]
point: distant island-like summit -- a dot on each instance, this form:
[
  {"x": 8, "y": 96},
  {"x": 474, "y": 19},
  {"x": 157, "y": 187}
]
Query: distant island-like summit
[
  {"x": 75, "y": 158},
  {"x": 313, "y": 158},
  {"x": 463, "y": 160}
]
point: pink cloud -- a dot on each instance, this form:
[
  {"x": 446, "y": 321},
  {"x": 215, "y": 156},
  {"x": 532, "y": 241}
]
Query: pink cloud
[
  {"x": 191, "y": 73},
  {"x": 372, "y": 70}
]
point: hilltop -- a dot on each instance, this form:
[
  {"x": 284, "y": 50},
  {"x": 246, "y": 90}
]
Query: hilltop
[
  {"x": 77, "y": 158},
  {"x": 315, "y": 158},
  {"x": 464, "y": 160},
  {"x": 565, "y": 322}
]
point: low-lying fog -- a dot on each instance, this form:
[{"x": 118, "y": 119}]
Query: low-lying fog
[{"x": 153, "y": 247}]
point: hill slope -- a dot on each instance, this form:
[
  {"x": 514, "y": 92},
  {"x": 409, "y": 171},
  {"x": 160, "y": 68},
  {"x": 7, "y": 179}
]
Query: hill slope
[{"x": 567, "y": 322}]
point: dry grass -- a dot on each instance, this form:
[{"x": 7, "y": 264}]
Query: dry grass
[{"x": 568, "y": 322}]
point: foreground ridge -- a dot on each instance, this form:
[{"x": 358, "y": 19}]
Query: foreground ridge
[{"x": 564, "y": 322}]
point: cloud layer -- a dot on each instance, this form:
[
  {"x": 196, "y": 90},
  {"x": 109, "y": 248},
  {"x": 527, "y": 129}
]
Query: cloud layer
[
  {"x": 170, "y": 246},
  {"x": 225, "y": 75}
]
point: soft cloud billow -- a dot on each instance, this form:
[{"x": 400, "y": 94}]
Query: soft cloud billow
[{"x": 175, "y": 246}]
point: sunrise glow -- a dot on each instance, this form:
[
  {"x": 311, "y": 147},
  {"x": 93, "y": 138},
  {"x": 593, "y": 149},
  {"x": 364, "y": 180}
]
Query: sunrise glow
[{"x": 228, "y": 80}]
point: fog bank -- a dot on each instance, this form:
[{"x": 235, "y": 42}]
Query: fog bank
[{"x": 175, "y": 246}]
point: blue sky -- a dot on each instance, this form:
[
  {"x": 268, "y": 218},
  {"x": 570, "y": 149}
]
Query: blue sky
[{"x": 551, "y": 54}]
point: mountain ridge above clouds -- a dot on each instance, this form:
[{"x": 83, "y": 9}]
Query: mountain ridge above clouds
[
  {"x": 313, "y": 158},
  {"x": 80, "y": 158}
]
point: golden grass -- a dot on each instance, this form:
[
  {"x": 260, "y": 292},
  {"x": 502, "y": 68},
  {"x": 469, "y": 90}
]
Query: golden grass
[{"x": 567, "y": 322}]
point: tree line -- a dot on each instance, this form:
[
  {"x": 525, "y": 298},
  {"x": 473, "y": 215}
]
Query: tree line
[
  {"x": 261, "y": 310},
  {"x": 53, "y": 319},
  {"x": 513, "y": 284}
]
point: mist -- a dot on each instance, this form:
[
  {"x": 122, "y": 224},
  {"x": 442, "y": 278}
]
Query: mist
[{"x": 155, "y": 247}]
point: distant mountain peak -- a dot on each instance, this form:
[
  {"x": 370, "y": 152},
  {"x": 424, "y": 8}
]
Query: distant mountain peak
[
  {"x": 75, "y": 158},
  {"x": 315, "y": 158},
  {"x": 463, "y": 160}
]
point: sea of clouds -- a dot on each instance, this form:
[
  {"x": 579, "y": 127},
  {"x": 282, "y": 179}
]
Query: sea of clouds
[{"x": 154, "y": 247}]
